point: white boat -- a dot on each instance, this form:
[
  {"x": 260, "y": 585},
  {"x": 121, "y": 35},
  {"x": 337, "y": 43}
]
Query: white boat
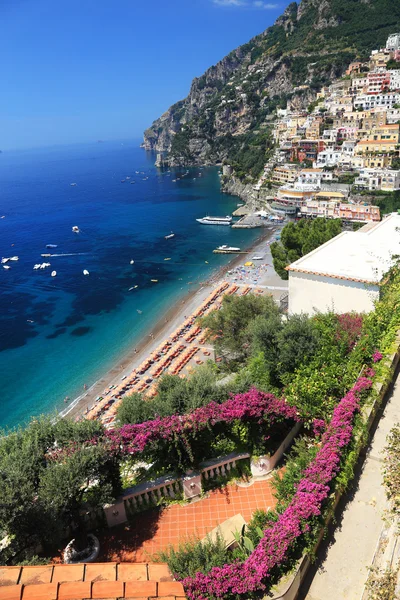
[
  {"x": 45, "y": 255},
  {"x": 226, "y": 249},
  {"x": 36, "y": 267},
  {"x": 132, "y": 262},
  {"x": 14, "y": 258},
  {"x": 4, "y": 261},
  {"x": 257, "y": 258},
  {"x": 75, "y": 229},
  {"x": 53, "y": 273},
  {"x": 85, "y": 272},
  {"x": 73, "y": 184},
  {"x": 6, "y": 267},
  {"x": 227, "y": 221},
  {"x": 168, "y": 237}
]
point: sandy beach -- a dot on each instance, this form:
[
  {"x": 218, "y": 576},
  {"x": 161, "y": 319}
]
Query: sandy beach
[{"x": 167, "y": 323}]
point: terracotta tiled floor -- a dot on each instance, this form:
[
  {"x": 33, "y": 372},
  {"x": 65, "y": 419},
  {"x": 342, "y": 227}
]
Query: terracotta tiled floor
[{"x": 154, "y": 530}]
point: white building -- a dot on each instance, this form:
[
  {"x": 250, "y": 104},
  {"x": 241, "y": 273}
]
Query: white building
[
  {"x": 394, "y": 79},
  {"x": 327, "y": 158},
  {"x": 386, "y": 180},
  {"x": 393, "y": 116},
  {"x": 367, "y": 101},
  {"x": 344, "y": 274},
  {"x": 393, "y": 42}
]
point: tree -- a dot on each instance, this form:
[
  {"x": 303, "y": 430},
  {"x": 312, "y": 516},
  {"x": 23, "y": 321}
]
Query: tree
[
  {"x": 134, "y": 409},
  {"x": 297, "y": 342},
  {"x": 230, "y": 323},
  {"x": 29, "y": 516},
  {"x": 85, "y": 477},
  {"x": 263, "y": 332},
  {"x": 298, "y": 239}
]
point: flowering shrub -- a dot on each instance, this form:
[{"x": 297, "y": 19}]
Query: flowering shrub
[
  {"x": 377, "y": 356},
  {"x": 319, "y": 427},
  {"x": 349, "y": 327},
  {"x": 313, "y": 489},
  {"x": 253, "y": 406}
]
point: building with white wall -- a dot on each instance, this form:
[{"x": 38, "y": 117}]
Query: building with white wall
[
  {"x": 345, "y": 274},
  {"x": 393, "y": 42}
]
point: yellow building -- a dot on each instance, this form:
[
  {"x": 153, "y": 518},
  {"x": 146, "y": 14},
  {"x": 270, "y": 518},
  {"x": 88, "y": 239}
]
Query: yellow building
[
  {"x": 380, "y": 133},
  {"x": 284, "y": 174},
  {"x": 329, "y": 196}
]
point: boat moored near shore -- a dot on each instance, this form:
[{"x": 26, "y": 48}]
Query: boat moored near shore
[{"x": 227, "y": 221}]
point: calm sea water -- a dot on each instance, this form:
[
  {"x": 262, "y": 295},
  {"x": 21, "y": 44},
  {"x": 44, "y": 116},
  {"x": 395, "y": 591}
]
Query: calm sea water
[{"x": 83, "y": 325}]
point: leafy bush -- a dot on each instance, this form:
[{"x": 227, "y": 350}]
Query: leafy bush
[{"x": 194, "y": 556}]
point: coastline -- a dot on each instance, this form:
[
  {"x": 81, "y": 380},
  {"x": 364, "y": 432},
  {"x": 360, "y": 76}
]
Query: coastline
[{"x": 165, "y": 324}]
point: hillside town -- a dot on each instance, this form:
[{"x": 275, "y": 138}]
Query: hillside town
[{"x": 333, "y": 159}]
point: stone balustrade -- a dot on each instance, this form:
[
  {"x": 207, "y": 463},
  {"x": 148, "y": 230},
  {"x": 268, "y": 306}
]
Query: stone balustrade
[
  {"x": 150, "y": 492},
  {"x": 220, "y": 467}
]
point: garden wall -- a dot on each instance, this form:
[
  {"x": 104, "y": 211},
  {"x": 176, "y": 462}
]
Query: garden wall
[{"x": 291, "y": 587}]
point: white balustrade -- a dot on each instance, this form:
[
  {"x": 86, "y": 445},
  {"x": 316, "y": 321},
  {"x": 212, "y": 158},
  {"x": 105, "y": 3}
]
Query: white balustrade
[
  {"x": 150, "y": 493},
  {"x": 220, "y": 467}
]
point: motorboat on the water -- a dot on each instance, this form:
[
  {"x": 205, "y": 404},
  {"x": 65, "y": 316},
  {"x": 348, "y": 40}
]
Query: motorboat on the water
[
  {"x": 85, "y": 272},
  {"x": 227, "y": 221},
  {"x": 73, "y": 184},
  {"x": 46, "y": 255},
  {"x": 51, "y": 245},
  {"x": 75, "y": 229},
  {"x": 226, "y": 250},
  {"x": 53, "y": 273},
  {"x": 168, "y": 237},
  {"x": 6, "y": 267},
  {"x": 257, "y": 258},
  {"x": 132, "y": 262},
  {"x": 14, "y": 258},
  {"x": 4, "y": 261}
]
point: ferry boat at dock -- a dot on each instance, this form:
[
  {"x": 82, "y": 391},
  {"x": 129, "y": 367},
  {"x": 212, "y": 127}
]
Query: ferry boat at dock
[{"x": 227, "y": 221}]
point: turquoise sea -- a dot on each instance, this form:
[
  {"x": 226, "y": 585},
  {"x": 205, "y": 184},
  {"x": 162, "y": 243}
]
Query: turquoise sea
[{"x": 59, "y": 333}]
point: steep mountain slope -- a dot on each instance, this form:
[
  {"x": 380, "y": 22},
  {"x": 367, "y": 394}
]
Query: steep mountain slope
[{"x": 228, "y": 111}]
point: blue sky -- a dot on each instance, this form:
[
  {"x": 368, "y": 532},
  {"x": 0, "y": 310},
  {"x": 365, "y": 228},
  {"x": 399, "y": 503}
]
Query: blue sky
[{"x": 82, "y": 70}]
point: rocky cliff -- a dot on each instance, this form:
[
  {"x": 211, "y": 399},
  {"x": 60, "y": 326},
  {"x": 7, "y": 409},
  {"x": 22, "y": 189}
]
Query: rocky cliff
[{"x": 228, "y": 112}]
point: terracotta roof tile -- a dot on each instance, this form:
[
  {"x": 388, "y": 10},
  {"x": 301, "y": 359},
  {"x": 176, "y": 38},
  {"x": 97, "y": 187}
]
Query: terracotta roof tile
[
  {"x": 43, "y": 591},
  {"x": 68, "y": 573},
  {"x": 170, "y": 588},
  {"x": 132, "y": 572},
  {"x": 64, "y": 582},
  {"x": 75, "y": 590},
  {"x": 101, "y": 572},
  {"x": 9, "y": 575},
  {"x": 140, "y": 589},
  {"x": 108, "y": 589},
  {"x": 36, "y": 575},
  {"x": 159, "y": 573},
  {"x": 11, "y": 592}
]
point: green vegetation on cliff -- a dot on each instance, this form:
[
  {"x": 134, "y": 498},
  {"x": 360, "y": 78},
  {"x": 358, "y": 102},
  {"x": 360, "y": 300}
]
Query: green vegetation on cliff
[{"x": 229, "y": 108}]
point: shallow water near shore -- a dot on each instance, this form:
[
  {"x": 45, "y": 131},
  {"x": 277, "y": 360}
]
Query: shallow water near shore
[{"x": 60, "y": 333}]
